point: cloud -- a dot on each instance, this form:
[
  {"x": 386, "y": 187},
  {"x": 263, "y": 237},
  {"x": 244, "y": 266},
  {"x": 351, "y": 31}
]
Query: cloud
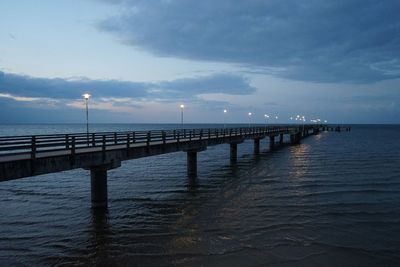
[
  {"x": 117, "y": 96},
  {"x": 20, "y": 98},
  {"x": 312, "y": 40},
  {"x": 218, "y": 83},
  {"x": 22, "y": 85}
]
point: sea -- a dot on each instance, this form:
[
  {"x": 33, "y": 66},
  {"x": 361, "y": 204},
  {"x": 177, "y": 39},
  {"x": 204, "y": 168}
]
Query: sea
[{"x": 332, "y": 200}]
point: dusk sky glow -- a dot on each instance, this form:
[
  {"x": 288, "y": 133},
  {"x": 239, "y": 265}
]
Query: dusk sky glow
[{"x": 140, "y": 59}]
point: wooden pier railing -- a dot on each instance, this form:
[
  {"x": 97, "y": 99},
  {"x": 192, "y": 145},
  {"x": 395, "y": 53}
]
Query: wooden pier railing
[{"x": 12, "y": 145}]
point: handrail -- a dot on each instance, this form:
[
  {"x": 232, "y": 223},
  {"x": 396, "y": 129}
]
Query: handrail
[{"x": 11, "y": 145}]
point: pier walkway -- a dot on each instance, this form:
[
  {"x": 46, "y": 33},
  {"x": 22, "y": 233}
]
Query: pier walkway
[{"x": 24, "y": 156}]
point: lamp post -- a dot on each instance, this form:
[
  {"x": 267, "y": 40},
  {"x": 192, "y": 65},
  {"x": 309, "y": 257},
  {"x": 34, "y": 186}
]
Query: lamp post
[
  {"x": 249, "y": 118},
  {"x": 265, "y": 120},
  {"x": 182, "y": 106},
  {"x": 225, "y": 112},
  {"x": 86, "y": 96}
]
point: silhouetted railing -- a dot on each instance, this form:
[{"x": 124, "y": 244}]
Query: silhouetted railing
[{"x": 12, "y": 145}]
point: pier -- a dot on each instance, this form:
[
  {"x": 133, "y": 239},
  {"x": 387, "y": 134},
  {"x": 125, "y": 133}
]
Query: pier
[{"x": 25, "y": 156}]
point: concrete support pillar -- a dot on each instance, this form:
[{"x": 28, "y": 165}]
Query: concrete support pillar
[
  {"x": 256, "y": 146},
  {"x": 295, "y": 138},
  {"x": 281, "y": 139},
  {"x": 271, "y": 142},
  {"x": 192, "y": 163},
  {"x": 233, "y": 151},
  {"x": 98, "y": 179}
]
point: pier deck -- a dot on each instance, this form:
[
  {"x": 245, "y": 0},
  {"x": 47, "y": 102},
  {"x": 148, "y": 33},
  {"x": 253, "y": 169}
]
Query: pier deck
[{"x": 24, "y": 156}]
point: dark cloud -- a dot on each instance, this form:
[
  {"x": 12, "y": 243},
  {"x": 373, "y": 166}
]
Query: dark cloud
[
  {"x": 313, "y": 40},
  {"x": 217, "y": 83},
  {"x": 22, "y": 85},
  {"x": 26, "y": 86}
]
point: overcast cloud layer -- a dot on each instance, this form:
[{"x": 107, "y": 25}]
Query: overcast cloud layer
[{"x": 311, "y": 40}]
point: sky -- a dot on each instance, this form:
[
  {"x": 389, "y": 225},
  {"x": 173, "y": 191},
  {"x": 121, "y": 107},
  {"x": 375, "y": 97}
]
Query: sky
[{"x": 140, "y": 59}]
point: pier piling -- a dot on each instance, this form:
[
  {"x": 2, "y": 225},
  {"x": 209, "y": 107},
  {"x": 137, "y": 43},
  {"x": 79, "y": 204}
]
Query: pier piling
[
  {"x": 256, "y": 146},
  {"x": 271, "y": 142},
  {"x": 98, "y": 179},
  {"x": 233, "y": 150},
  {"x": 192, "y": 163}
]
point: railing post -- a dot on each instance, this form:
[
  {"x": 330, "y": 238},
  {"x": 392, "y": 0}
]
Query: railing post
[
  {"x": 190, "y": 135},
  {"x": 128, "y": 137},
  {"x": 178, "y": 136},
  {"x": 184, "y": 133},
  {"x": 201, "y": 134},
  {"x": 93, "y": 140},
  {"x": 216, "y": 133},
  {"x": 148, "y": 138},
  {"x": 163, "y": 137},
  {"x": 103, "y": 146},
  {"x": 133, "y": 137},
  {"x": 209, "y": 133},
  {"x": 73, "y": 146},
  {"x": 174, "y": 134},
  {"x": 66, "y": 141},
  {"x": 33, "y": 147},
  {"x": 115, "y": 138}
]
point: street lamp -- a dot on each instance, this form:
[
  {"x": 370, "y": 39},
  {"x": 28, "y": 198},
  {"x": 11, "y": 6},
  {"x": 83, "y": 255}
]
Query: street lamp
[
  {"x": 182, "y": 106},
  {"x": 249, "y": 118},
  {"x": 225, "y": 111},
  {"x": 86, "y": 96},
  {"x": 265, "y": 120}
]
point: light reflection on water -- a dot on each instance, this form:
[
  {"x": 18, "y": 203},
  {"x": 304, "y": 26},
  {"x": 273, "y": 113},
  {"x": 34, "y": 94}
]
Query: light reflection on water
[{"x": 332, "y": 200}]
